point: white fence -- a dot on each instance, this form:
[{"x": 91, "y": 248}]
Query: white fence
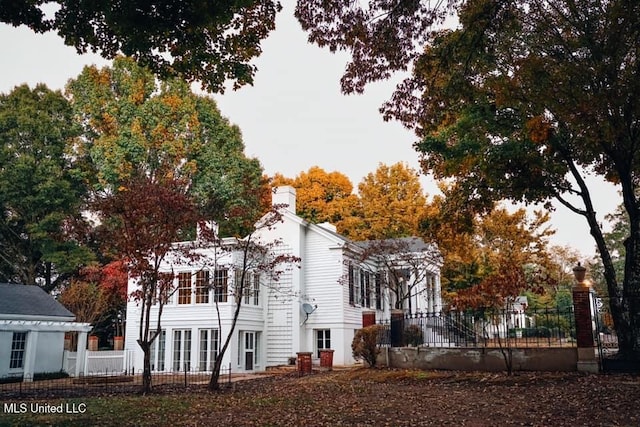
[{"x": 106, "y": 362}]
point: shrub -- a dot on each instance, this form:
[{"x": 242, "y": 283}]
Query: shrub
[
  {"x": 365, "y": 344},
  {"x": 413, "y": 335}
]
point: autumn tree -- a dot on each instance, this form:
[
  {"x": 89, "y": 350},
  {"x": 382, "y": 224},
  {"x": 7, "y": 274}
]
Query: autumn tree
[
  {"x": 84, "y": 298},
  {"x": 135, "y": 125},
  {"x": 517, "y": 102},
  {"x": 196, "y": 40},
  {"x": 140, "y": 222},
  {"x": 393, "y": 203},
  {"x": 510, "y": 256},
  {"x": 42, "y": 190},
  {"x": 324, "y": 197}
]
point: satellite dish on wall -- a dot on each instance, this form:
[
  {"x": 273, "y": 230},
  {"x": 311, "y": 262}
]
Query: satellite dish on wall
[{"x": 308, "y": 309}]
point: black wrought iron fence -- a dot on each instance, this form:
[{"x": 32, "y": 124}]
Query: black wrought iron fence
[
  {"x": 60, "y": 384},
  {"x": 533, "y": 327}
]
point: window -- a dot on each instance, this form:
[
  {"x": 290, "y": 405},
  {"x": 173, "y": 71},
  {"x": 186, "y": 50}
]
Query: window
[
  {"x": 251, "y": 288},
  {"x": 209, "y": 348},
  {"x": 18, "y": 344},
  {"x": 182, "y": 350},
  {"x": 352, "y": 279},
  {"x": 378, "y": 291},
  {"x": 157, "y": 351},
  {"x": 184, "y": 288},
  {"x": 220, "y": 283},
  {"x": 365, "y": 289},
  {"x": 202, "y": 287},
  {"x": 356, "y": 295},
  {"x": 323, "y": 340},
  {"x": 256, "y": 289},
  {"x": 357, "y": 291}
]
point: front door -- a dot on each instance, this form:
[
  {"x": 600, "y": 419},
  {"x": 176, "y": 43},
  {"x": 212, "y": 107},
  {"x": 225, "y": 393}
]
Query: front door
[{"x": 249, "y": 350}]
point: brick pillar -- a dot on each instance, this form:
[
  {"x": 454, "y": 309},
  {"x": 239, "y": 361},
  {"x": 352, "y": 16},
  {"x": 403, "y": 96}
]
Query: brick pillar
[
  {"x": 397, "y": 328},
  {"x": 304, "y": 363},
  {"x": 118, "y": 343},
  {"x": 368, "y": 318},
  {"x": 584, "y": 329},
  {"x": 93, "y": 343},
  {"x": 582, "y": 313}
]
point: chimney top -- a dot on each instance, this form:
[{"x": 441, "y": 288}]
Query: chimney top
[{"x": 285, "y": 195}]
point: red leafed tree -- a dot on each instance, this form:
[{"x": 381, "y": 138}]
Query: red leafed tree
[
  {"x": 113, "y": 283},
  {"x": 140, "y": 221}
]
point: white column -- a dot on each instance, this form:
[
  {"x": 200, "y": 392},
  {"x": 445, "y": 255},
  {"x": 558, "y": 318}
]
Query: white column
[
  {"x": 30, "y": 349},
  {"x": 81, "y": 354}
]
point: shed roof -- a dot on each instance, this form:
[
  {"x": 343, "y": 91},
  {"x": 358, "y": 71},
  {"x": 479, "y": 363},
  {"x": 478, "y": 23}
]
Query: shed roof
[{"x": 32, "y": 301}]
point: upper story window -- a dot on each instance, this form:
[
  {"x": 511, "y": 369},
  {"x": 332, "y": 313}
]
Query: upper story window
[
  {"x": 202, "y": 287},
  {"x": 220, "y": 285},
  {"x": 184, "y": 288},
  {"x": 250, "y": 288}
]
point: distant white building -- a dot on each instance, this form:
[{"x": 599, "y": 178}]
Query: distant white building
[{"x": 313, "y": 306}]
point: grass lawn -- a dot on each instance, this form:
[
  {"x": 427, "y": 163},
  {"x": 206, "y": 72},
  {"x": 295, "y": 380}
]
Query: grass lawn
[{"x": 360, "y": 397}]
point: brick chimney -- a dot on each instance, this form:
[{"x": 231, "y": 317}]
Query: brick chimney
[{"x": 285, "y": 195}]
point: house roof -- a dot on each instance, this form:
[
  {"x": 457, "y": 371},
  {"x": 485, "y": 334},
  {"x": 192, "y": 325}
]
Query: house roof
[{"x": 30, "y": 301}]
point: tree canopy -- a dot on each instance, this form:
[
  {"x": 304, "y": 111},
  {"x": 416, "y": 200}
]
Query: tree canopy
[
  {"x": 41, "y": 189},
  {"x": 137, "y": 126},
  {"x": 518, "y": 102},
  {"x": 393, "y": 203},
  {"x": 324, "y": 197},
  {"x": 210, "y": 42}
]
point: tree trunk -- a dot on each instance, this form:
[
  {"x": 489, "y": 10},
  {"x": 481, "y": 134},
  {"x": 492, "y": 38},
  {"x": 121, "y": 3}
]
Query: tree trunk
[
  {"x": 146, "y": 370},
  {"x": 629, "y": 337},
  {"x": 215, "y": 375}
]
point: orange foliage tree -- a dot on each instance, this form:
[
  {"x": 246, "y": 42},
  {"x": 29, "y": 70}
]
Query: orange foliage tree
[{"x": 323, "y": 196}]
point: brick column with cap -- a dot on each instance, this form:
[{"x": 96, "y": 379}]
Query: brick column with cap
[
  {"x": 368, "y": 318},
  {"x": 582, "y": 311}
]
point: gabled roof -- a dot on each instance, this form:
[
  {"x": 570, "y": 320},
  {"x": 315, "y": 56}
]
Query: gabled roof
[{"x": 30, "y": 302}]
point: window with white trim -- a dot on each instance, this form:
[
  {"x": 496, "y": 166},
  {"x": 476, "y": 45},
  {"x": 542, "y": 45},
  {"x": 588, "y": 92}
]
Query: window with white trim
[
  {"x": 323, "y": 340},
  {"x": 157, "y": 351},
  {"x": 209, "y": 348},
  {"x": 202, "y": 287},
  {"x": 182, "y": 350},
  {"x": 184, "y": 288},
  {"x": 18, "y": 346},
  {"x": 220, "y": 285}
]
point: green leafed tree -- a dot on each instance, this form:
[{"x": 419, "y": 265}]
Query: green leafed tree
[
  {"x": 42, "y": 189},
  {"x": 517, "y": 102},
  {"x": 210, "y": 42},
  {"x": 137, "y": 126}
]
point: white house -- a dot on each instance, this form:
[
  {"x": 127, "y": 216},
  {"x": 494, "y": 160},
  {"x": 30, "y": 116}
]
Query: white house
[
  {"x": 315, "y": 305},
  {"x": 32, "y": 328}
]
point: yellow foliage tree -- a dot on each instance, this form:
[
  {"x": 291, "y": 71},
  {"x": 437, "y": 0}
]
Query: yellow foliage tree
[{"x": 393, "y": 203}]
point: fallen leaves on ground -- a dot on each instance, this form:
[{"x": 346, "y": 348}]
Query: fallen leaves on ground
[{"x": 379, "y": 397}]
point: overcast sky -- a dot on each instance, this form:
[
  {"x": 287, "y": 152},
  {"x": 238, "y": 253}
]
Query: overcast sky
[{"x": 293, "y": 117}]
